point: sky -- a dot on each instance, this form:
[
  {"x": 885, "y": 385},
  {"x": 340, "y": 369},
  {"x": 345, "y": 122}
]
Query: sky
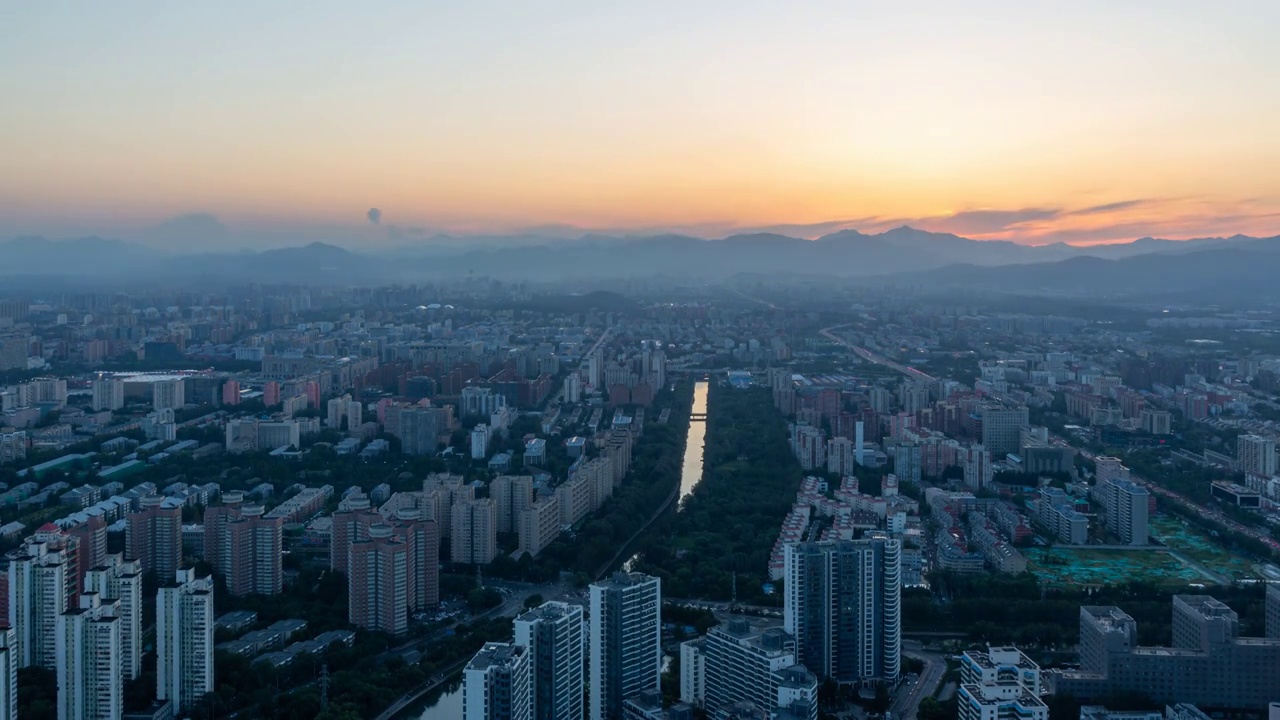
[{"x": 275, "y": 123}]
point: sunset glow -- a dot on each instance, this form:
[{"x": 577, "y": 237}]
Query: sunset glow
[{"x": 1037, "y": 122}]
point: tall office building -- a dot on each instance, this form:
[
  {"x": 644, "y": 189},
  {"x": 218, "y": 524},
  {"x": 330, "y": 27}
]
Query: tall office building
[
  {"x": 250, "y": 552},
  {"x": 557, "y": 650},
  {"x": 168, "y": 394},
  {"x": 843, "y": 607},
  {"x": 746, "y": 663},
  {"x": 8, "y": 674},
  {"x": 153, "y": 535},
  {"x": 474, "y": 531},
  {"x": 120, "y": 581},
  {"x": 497, "y": 684},
  {"x": 184, "y": 640},
  {"x": 378, "y": 581},
  {"x": 108, "y": 394},
  {"x": 626, "y": 641},
  {"x": 1002, "y": 427},
  {"x": 90, "y": 677},
  {"x": 39, "y": 575},
  {"x": 1256, "y": 455}
]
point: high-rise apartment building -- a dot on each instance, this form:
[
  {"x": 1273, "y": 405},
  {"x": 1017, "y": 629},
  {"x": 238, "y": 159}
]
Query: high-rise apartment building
[
  {"x": 423, "y": 541},
  {"x": 90, "y": 677},
  {"x": 153, "y": 535},
  {"x": 39, "y": 576},
  {"x": 693, "y": 672},
  {"x": 350, "y": 525},
  {"x": 169, "y": 394},
  {"x": 1001, "y": 428},
  {"x": 1256, "y": 455},
  {"x": 231, "y": 392},
  {"x": 216, "y": 518},
  {"x": 539, "y": 525},
  {"x": 243, "y": 546},
  {"x": 978, "y": 471},
  {"x": 512, "y": 494},
  {"x": 119, "y": 581},
  {"x": 8, "y": 674},
  {"x": 843, "y": 607},
  {"x": 1127, "y": 505},
  {"x": 1272, "y": 611},
  {"x": 250, "y": 554},
  {"x": 108, "y": 394},
  {"x": 474, "y": 531},
  {"x": 419, "y": 431},
  {"x": 184, "y": 640},
  {"x": 336, "y": 411},
  {"x": 553, "y": 634},
  {"x": 497, "y": 684},
  {"x": 378, "y": 581},
  {"x": 625, "y": 641},
  {"x": 742, "y": 662}
]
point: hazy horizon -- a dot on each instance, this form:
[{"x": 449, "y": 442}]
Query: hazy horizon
[{"x": 280, "y": 125}]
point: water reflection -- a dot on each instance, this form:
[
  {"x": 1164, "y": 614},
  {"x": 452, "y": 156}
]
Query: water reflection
[
  {"x": 695, "y": 443},
  {"x": 446, "y": 705}
]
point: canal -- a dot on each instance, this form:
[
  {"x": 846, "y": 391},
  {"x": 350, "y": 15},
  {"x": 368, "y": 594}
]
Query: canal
[
  {"x": 695, "y": 442},
  {"x": 446, "y": 703},
  {"x": 442, "y": 704}
]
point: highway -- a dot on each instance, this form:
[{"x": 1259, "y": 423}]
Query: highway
[
  {"x": 871, "y": 357},
  {"x": 1208, "y": 513},
  {"x": 1169, "y": 495}
]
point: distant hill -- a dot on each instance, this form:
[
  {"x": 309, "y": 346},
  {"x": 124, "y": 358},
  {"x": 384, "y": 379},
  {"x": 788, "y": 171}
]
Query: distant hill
[
  {"x": 903, "y": 253},
  {"x": 1236, "y": 270}
]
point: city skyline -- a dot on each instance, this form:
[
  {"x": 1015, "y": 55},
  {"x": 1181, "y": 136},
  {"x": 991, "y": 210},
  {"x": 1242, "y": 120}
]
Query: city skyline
[{"x": 276, "y": 127}]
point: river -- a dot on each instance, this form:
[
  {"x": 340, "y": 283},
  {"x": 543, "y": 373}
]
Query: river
[{"x": 447, "y": 705}]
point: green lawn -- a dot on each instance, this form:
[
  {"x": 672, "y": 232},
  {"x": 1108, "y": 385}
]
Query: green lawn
[
  {"x": 1080, "y": 566},
  {"x": 1200, "y": 547}
]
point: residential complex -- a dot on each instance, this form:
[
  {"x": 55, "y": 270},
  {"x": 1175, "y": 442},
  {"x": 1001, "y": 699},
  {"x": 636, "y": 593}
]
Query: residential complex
[
  {"x": 625, "y": 641},
  {"x": 843, "y": 607},
  {"x": 184, "y": 640}
]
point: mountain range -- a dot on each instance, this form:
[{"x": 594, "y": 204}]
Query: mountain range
[{"x": 902, "y": 256}]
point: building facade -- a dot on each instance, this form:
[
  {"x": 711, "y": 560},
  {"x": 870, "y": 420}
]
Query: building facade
[
  {"x": 625, "y": 642},
  {"x": 90, "y": 659},
  {"x": 843, "y": 607},
  {"x": 557, "y": 651},
  {"x": 497, "y": 684},
  {"x": 184, "y": 640}
]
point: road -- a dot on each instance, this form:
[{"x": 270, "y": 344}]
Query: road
[
  {"x": 908, "y": 700},
  {"x": 871, "y": 357},
  {"x": 1169, "y": 495},
  {"x": 1191, "y": 506}
]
